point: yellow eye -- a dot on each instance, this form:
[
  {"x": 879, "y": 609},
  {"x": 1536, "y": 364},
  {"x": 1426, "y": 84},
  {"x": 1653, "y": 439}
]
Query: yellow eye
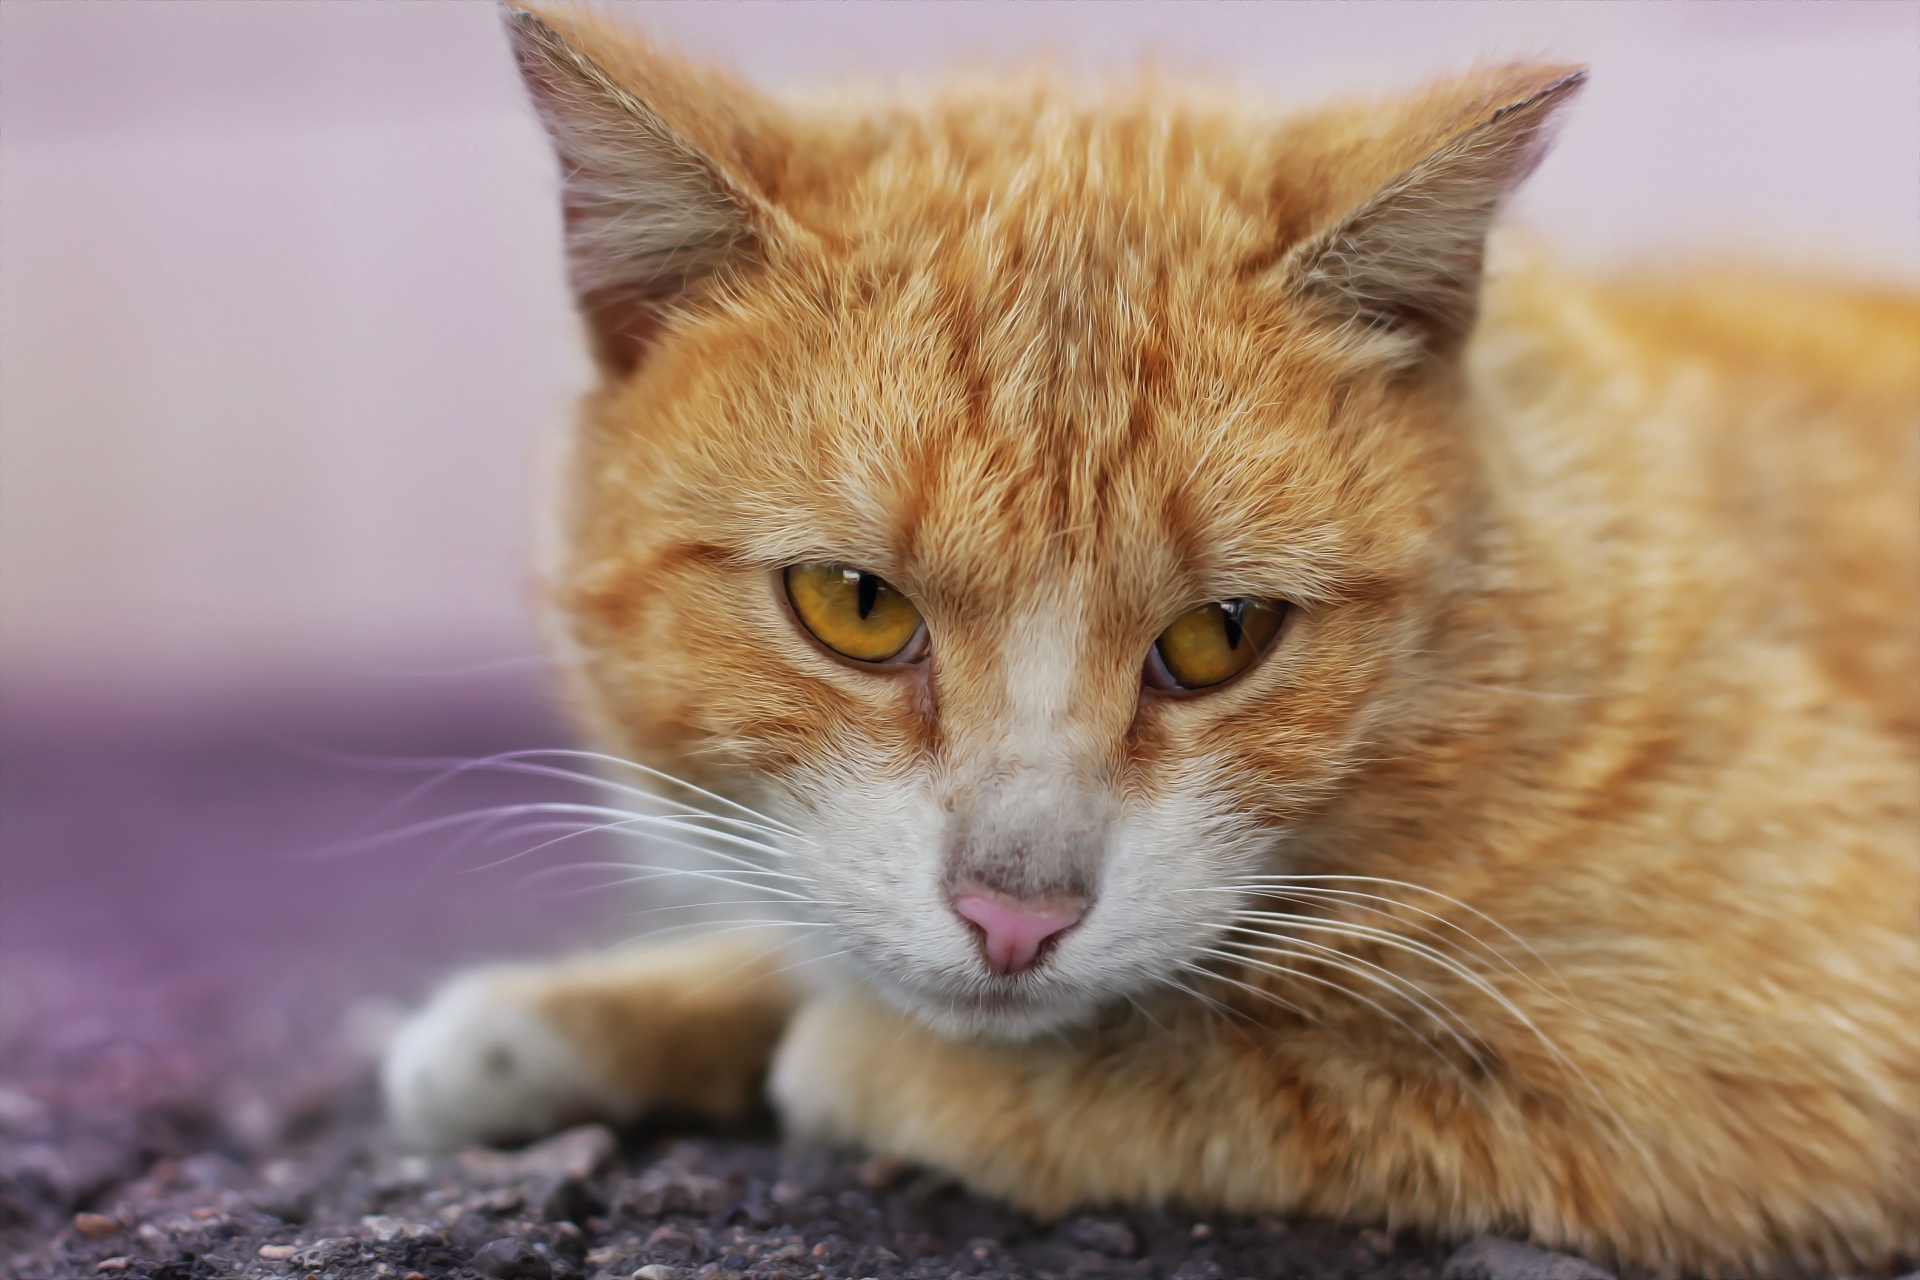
[
  {"x": 1214, "y": 643},
  {"x": 856, "y": 614}
]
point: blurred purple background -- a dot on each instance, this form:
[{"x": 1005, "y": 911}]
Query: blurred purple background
[{"x": 283, "y": 339}]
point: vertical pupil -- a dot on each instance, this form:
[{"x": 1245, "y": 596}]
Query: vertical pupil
[
  {"x": 1231, "y": 612},
  {"x": 867, "y": 592}
]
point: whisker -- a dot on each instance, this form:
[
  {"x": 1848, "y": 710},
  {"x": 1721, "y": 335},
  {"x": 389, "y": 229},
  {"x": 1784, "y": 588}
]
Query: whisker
[
  {"x": 696, "y": 820},
  {"x": 714, "y": 928},
  {"x": 650, "y": 772},
  {"x": 1291, "y": 883},
  {"x": 1456, "y": 1028},
  {"x": 1425, "y": 1002},
  {"x": 1271, "y": 997},
  {"x": 648, "y": 875},
  {"x": 653, "y": 872},
  {"x": 1293, "y": 880},
  {"x": 1386, "y": 938},
  {"x": 1286, "y": 971},
  {"x": 1313, "y": 894},
  {"x": 527, "y": 762},
  {"x": 624, "y": 864},
  {"x": 1219, "y": 1006},
  {"x": 646, "y": 827},
  {"x": 496, "y": 813}
]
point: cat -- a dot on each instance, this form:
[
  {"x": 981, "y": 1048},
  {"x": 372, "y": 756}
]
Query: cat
[{"x": 1283, "y": 707}]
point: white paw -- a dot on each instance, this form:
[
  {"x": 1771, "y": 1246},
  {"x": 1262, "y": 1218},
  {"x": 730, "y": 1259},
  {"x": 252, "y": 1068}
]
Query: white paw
[
  {"x": 480, "y": 1064},
  {"x": 812, "y": 1082}
]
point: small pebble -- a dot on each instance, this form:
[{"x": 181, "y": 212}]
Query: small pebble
[
  {"x": 654, "y": 1271},
  {"x": 1199, "y": 1269},
  {"x": 386, "y": 1230},
  {"x": 113, "y": 1264},
  {"x": 510, "y": 1259},
  {"x": 1491, "y": 1258},
  {"x": 413, "y": 1275},
  {"x": 95, "y": 1226},
  {"x": 278, "y": 1252},
  {"x": 293, "y": 1208},
  {"x": 1103, "y": 1235},
  {"x": 882, "y": 1172},
  {"x": 1201, "y": 1231},
  {"x": 568, "y": 1243}
]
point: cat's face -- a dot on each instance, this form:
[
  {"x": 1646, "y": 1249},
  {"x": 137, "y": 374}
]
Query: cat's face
[{"x": 1039, "y": 375}]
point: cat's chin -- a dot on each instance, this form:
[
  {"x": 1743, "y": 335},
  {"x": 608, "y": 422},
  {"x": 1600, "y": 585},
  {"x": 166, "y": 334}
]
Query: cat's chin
[{"x": 1011, "y": 1015}]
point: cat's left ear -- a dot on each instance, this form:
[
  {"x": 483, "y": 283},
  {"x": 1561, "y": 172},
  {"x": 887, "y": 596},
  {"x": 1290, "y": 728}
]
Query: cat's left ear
[
  {"x": 1405, "y": 259},
  {"x": 664, "y": 171}
]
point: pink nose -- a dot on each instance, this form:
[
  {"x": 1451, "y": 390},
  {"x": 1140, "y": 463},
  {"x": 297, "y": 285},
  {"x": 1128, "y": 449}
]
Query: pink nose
[{"x": 1012, "y": 931}]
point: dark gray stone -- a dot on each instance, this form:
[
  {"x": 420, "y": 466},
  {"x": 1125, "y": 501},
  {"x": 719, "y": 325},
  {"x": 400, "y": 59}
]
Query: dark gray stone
[
  {"x": 1104, "y": 1235},
  {"x": 1492, "y": 1258},
  {"x": 509, "y": 1259},
  {"x": 321, "y": 1255},
  {"x": 569, "y": 1199}
]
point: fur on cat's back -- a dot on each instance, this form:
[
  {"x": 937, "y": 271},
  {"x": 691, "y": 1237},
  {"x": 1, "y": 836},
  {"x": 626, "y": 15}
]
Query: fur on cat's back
[{"x": 1552, "y": 868}]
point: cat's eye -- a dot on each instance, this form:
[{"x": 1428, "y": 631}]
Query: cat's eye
[
  {"x": 1214, "y": 643},
  {"x": 856, "y": 614}
]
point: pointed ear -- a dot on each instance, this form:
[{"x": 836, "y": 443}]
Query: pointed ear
[
  {"x": 1406, "y": 259},
  {"x": 656, "y": 163}
]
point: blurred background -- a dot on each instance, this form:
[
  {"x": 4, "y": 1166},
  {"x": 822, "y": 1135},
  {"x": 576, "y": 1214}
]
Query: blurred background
[{"x": 282, "y": 331}]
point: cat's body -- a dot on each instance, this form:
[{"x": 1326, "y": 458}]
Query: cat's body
[{"x": 1556, "y": 872}]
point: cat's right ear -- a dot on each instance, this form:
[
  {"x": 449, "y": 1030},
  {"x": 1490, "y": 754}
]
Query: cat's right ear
[{"x": 657, "y": 164}]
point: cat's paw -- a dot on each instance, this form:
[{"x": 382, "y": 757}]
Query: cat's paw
[
  {"x": 482, "y": 1063},
  {"x": 819, "y": 1072}
]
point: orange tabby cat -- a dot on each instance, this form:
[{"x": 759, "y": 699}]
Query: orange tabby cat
[{"x": 1276, "y": 718}]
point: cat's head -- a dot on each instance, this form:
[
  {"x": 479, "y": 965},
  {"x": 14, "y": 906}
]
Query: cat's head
[{"x": 1031, "y": 497}]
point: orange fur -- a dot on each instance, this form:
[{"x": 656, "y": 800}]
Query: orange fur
[{"x": 1604, "y": 646}]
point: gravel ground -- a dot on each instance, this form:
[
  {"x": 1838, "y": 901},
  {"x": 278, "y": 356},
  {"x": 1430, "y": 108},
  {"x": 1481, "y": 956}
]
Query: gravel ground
[{"x": 134, "y": 1168}]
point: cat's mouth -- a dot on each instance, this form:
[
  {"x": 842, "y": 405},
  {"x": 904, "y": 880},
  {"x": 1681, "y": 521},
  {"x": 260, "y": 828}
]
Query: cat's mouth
[
  {"x": 1016, "y": 1008},
  {"x": 982, "y": 1000}
]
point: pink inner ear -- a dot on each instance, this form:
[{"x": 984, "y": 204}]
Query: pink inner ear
[{"x": 1013, "y": 931}]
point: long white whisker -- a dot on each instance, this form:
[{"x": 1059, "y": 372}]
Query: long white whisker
[
  {"x": 1298, "y": 975},
  {"x": 624, "y": 864},
  {"x": 1506, "y": 1005},
  {"x": 1224, "y": 1009},
  {"x": 1310, "y": 894},
  {"x": 647, "y": 826},
  {"x": 649, "y": 771},
  {"x": 681, "y": 808},
  {"x": 526, "y": 762},
  {"x": 1282, "y": 970},
  {"x": 647, "y": 875},
  {"x": 497, "y": 813},
  {"x": 1412, "y": 992},
  {"x": 658, "y": 871},
  {"x": 1386, "y": 938},
  {"x": 1293, "y": 880}
]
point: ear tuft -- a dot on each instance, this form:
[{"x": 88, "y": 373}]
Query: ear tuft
[
  {"x": 649, "y": 214},
  {"x": 1408, "y": 258}
]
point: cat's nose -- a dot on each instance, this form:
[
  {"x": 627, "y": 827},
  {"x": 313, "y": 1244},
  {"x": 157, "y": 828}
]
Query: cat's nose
[{"x": 1013, "y": 930}]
